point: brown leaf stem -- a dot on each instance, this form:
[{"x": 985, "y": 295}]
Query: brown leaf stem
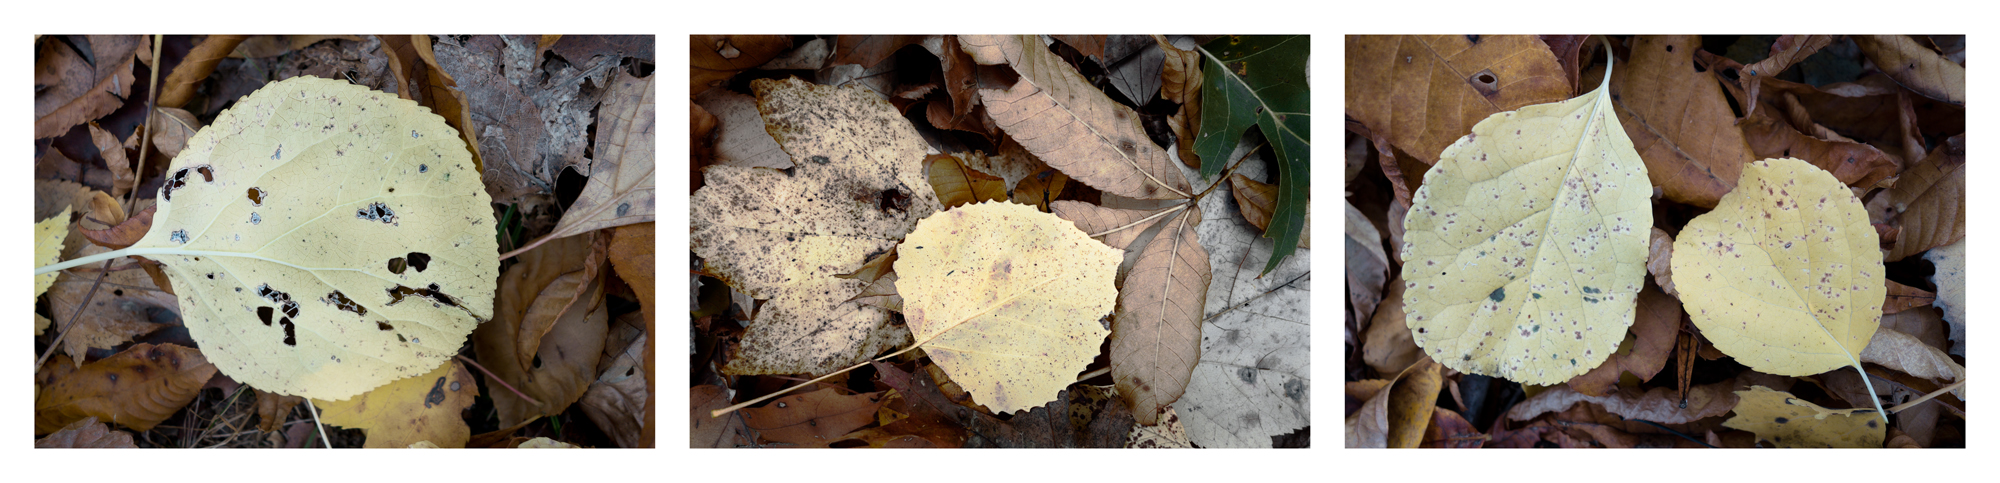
[{"x": 497, "y": 379}]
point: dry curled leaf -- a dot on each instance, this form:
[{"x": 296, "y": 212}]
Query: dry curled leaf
[
  {"x": 550, "y": 288},
  {"x": 1678, "y": 120},
  {"x": 1422, "y": 92},
  {"x": 1006, "y": 299},
  {"x": 1929, "y": 201},
  {"x": 86, "y": 433}
]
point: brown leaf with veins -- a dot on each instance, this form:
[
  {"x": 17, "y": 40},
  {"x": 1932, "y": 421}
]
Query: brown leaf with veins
[
  {"x": 71, "y": 90},
  {"x": 1040, "y": 189},
  {"x": 86, "y": 433},
  {"x": 1258, "y": 200},
  {"x": 1093, "y": 219},
  {"x": 814, "y": 419},
  {"x": 1423, "y": 92},
  {"x": 1645, "y": 349},
  {"x": 1904, "y": 297},
  {"x": 1915, "y": 67},
  {"x": 1904, "y": 353},
  {"x": 444, "y": 96},
  {"x": 1787, "y": 50},
  {"x": 620, "y": 191},
  {"x": 1056, "y": 114},
  {"x": 560, "y": 296},
  {"x": 171, "y": 129},
  {"x": 1929, "y": 201},
  {"x": 273, "y": 409},
  {"x": 113, "y": 152},
  {"x": 617, "y": 400},
  {"x": 1156, "y": 332},
  {"x": 957, "y": 185},
  {"x": 1396, "y": 412},
  {"x": 1659, "y": 404},
  {"x": 409, "y": 410},
  {"x": 125, "y": 306},
  {"x": 1853, "y": 163},
  {"x": 1048, "y": 426},
  {"x": 706, "y": 431},
  {"x": 1679, "y": 120},
  {"x": 125, "y": 233},
  {"x": 1387, "y": 345},
  {"x": 137, "y": 388},
  {"x": 532, "y": 290}
]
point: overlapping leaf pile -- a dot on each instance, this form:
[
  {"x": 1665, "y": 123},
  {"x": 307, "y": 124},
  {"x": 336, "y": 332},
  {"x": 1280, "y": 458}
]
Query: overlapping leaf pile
[
  {"x": 317, "y": 213},
  {"x": 1017, "y": 171},
  {"x": 1795, "y": 228}
]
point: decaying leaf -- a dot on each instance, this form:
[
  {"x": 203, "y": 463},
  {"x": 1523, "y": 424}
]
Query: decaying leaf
[
  {"x": 1678, "y": 120},
  {"x": 1659, "y": 404},
  {"x": 1916, "y": 67},
  {"x": 1367, "y": 265},
  {"x": 1259, "y": 201},
  {"x": 137, "y": 388},
  {"x": 1788, "y": 422},
  {"x": 49, "y": 247},
  {"x": 1950, "y": 280},
  {"x": 620, "y": 191},
  {"x": 1526, "y": 245},
  {"x": 1156, "y": 333},
  {"x": 282, "y": 226},
  {"x": 1660, "y": 260},
  {"x": 1905, "y": 353},
  {"x": 539, "y": 292},
  {"x": 273, "y": 409},
  {"x": 1423, "y": 92},
  {"x": 1387, "y": 346},
  {"x": 713, "y": 59},
  {"x": 1057, "y": 115},
  {"x": 956, "y": 185},
  {"x": 126, "y": 306},
  {"x": 1006, "y": 299},
  {"x": 705, "y": 431},
  {"x": 422, "y": 408},
  {"x": 1929, "y": 201},
  {"x": 86, "y": 433},
  {"x": 782, "y": 236},
  {"x": 813, "y": 419},
  {"x": 83, "y": 86},
  {"x": 1119, "y": 226},
  {"x": 1168, "y": 434},
  {"x": 741, "y": 140},
  {"x": 1784, "y": 275}
]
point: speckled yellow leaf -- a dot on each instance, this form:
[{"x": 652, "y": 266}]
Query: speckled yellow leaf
[
  {"x": 1787, "y": 422},
  {"x": 857, "y": 187},
  {"x": 424, "y": 408},
  {"x": 325, "y": 239},
  {"x": 1526, "y": 247},
  {"x": 1784, "y": 275},
  {"x": 1007, "y": 299},
  {"x": 48, "y": 247}
]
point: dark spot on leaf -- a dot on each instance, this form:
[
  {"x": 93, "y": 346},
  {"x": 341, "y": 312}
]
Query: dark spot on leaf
[
  {"x": 423, "y": 168},
  {"x": 1782, "y": 420},
  {"x": 419, "y": 261},
  {"x": 340, "y": 301},
  {"x": 1498, "y": 294},
  {"x": 377, "y": 212},
  {"x": 436, "y": 396},
  {"x": 256, "y": 196},
  {"x": 1248, "y": 375},
  {"x": 624, "y": 208},
  {"x": 819, "y": 159},
  {"x": 433, "y": 292},
  {"x": 264, "y": 313},
  {"x": 1295, "y": 390},
  {"x": 397, "y": 265},
  {"x": 291, "y": 337}
]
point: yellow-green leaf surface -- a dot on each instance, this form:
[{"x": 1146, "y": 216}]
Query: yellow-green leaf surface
[
  {"x": 325, "y": 239},
  {"x": 410, "y": 410},
  {"x": 1007, "y": 300},
  {"x": 1784, "y": 275},
  {"x": 48, "y": 247},
  {"x": 1787, "y": 422},
  {"x": 1526, "y": 246},
  {"x": 781, "y": 236}
]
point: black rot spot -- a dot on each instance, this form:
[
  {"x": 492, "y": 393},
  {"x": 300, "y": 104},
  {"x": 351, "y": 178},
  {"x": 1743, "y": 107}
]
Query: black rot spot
[
  {"x": 436, "y": 396},
  {"x": 340, "y": 301},
  {"x": 1499, "y": 294},
  {"x": 820, "y": 159},
  {"x": 291, "y": 335}
]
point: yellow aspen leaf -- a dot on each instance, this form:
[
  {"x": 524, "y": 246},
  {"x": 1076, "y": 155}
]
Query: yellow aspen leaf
[
  {"x": 1784, "y": 421},
  {"x": 427, "y": 407},
  {"x": 1525, "y": 248},
  {"x": 1008, "y": 300},
  {"x": 48, "y": 247},
  {"x": 1785, "y": 275}
]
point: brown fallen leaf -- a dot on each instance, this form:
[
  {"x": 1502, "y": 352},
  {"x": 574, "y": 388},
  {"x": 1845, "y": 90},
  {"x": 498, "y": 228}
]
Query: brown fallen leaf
[
  {"x": 1387, "y": 345},
  {"x": 814, "y": 419},
  {"x": 1258, "y": 200},
  {"x": 194, "y": 68},
  {"x": 1569, "y": 52},
  {"x": 1902, "y": 352},
  {"x": 957, "y": 185},
  {"x": 126, "y": 305},
  {"x": 632, "y": 256},
  {"x": 713, "y": 59},
  {"x": 1118, "y": 226},
  {"x": 562, "y": 295},
  {"x": 1645, "y": 349},
  {"x": 1659, "y": 404},
  {"x": 1168, "y": 434},
  {"x": 1904, "y": 297},
  {"x": 706, "y": 431},
  {"x": 1915, "y": 67},
  {"x": 1678, "y": 120},
  {"x": 1367, "y": 265},
  {"x": 273, "y": 409},
  {"x": 81, "y": 87},
  {"x": 1057, "y": 115},
  {"x": 125, "y": 234},
  {"x": 1421, "y": 93},
  {"x": 1450, "y": 430},
  {"x": 868, "y": 50},
  {"x": 1040, "y": 189},
  {"x": 568, "y": 353},
  {"x": 137, "y": 388},
  {"x": 443, "y": 95},
  {"x": 617, "y": 400},
  {"x": 171, "y": 129},
  {"x": 1411, "y": 403},
  {"x": 1929, "y": 201},
  {"x": 1048, "y": 426},
  {"x": 410, "y": 410},
  {"x": 1853, "y": 163},
  {"x": 86, "y": 433},
  {"x": 1787, "y": 50},
  {"x": 113, "y": 151},
  {"x": 1156, "y": 331}
]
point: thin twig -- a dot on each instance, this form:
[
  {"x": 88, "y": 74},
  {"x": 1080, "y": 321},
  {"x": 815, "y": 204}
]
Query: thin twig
[
  {"x": 497, "y": 379},
  {"x": 1927, "y": 397},
  {"x": 322, "y": 427},
  {"x": 73, "y": 316},
  {"x": 152, "y": 92}
]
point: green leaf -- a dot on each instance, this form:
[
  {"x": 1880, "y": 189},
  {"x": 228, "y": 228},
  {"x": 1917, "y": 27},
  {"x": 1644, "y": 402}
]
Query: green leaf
[{"x": 1261, "y": 80}]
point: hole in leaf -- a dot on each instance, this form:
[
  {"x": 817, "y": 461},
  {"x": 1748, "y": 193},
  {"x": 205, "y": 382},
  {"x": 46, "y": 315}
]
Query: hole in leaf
[
  {"x": 264, "y": 313},
  {"x": 291, "y": 337},
  {"x": 420, "y": 261},
  {"x": 397, "y": 265},
  {"x": 384, "y": 326},
  {"x": 340, "y": 301},
  {"x": 256, "y": 196}
]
